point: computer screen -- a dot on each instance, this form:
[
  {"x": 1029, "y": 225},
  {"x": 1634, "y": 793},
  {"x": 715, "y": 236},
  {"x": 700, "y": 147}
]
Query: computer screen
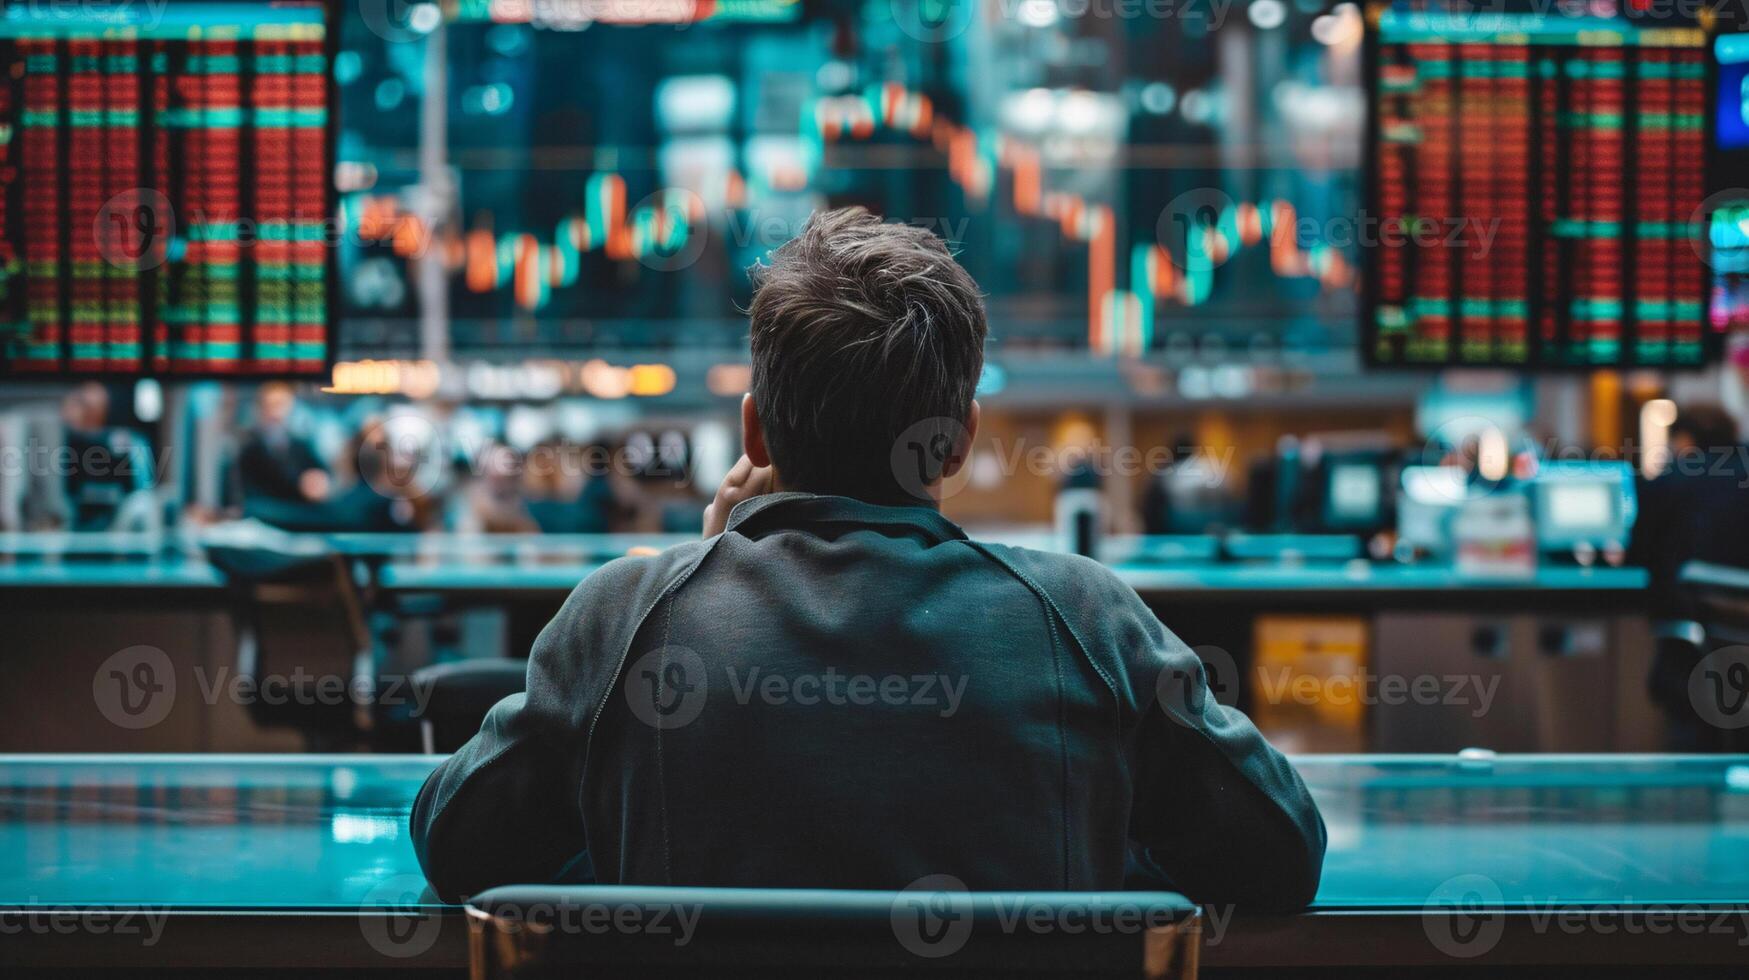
[
  {"x": 1583, "y": 502},
  {"x": 1575, "y": 506},
  {"x": 1539, "y": 176},
  {"x": 166, "y": 192},
  {"x": 1355, "y": 494}
]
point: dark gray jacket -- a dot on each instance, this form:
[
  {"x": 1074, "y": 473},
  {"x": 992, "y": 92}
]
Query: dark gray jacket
[{"x": 837, "y": 694}]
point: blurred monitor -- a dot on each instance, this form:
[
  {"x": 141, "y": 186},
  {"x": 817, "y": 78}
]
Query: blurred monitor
[
  {"x": 1430, "y": 496},
  {"x": 1536, "y": 169},
  {"x": 166, "y": 190},
  {"x": 1354, "y": 495},
  {"x": 1582, "y": 504}
]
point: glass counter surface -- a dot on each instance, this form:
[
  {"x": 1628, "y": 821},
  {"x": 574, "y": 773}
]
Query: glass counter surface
[{"x": 330, "y": 832}]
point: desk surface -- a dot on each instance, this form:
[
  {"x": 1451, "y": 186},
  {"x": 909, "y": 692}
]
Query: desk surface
[
  {"x": 551, "y": 569},
  {"x": 549, "y": 565},
  {"x": 276, "y": 863},
  {"x": 330, "y": 832}
]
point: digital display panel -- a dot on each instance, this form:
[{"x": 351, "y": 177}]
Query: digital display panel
[
  {"x": 1544, "y": 168},
  {"x": 1174, "y": 183},
  {"x": 166, "y": 189}
]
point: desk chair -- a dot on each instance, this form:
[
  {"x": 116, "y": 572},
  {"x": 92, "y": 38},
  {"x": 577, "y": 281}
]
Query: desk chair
[
  {"x": 300, "y": 625},
  {"x": 1717, "y": 597},
  {"x": 456, "y": 697},
  {"x": 523, "y": 932}
]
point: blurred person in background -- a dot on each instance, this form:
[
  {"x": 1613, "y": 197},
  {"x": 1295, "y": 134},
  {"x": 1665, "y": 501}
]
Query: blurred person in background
[
  {"x": 383, "y": 493},
  {"x": 275, "y": 462},
  {"x": 106, "y": 463},
  {"x": 494, "y": 495},
  {"x": 563, "y": 495},
  {"x": 1697, "y": 509}
]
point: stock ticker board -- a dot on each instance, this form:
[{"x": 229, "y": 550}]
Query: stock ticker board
[
  {"x": 1545, "y": 167},
  {"x": 166, "y": 189}
]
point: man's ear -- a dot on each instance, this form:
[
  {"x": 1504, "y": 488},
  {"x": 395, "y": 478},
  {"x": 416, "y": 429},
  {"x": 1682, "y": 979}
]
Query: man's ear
[
  {"x": 752, "y": 436},
  {"x": 962, "y": 449}
]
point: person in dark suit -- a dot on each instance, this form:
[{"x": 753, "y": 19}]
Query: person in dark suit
[
  {"x": 108, "y": 462},
  {"x": 276, "y": 463},
  {"x": 838, "y": 687},
  {"x": 1696, "y": 509}
]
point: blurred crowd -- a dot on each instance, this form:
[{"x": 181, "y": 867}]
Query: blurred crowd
[{"x": 304, "y": 462}]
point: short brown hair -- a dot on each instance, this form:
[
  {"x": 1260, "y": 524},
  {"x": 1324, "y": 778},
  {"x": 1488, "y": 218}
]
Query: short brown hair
[{"x": 860, "y": 330}]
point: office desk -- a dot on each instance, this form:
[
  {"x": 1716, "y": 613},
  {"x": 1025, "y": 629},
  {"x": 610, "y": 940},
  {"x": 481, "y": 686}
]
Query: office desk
[{"x": 303, "y": 863}]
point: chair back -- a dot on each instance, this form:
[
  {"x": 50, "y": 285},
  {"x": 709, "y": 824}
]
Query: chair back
[
  {"x": 1719, "y": 598},
  {"x": 933, "y": 927},
  {"x": 302, "y": 641},
  {"x": 455, "y": 697}
]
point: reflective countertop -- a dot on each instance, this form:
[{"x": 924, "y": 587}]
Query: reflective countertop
[{"x": 330, "y": 832}]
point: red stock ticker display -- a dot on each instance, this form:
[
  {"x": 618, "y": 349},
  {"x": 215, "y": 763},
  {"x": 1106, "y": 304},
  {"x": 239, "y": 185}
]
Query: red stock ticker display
[
  {"x": 165, "y": 189},
  {"x": 1544, "y": 174}
]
